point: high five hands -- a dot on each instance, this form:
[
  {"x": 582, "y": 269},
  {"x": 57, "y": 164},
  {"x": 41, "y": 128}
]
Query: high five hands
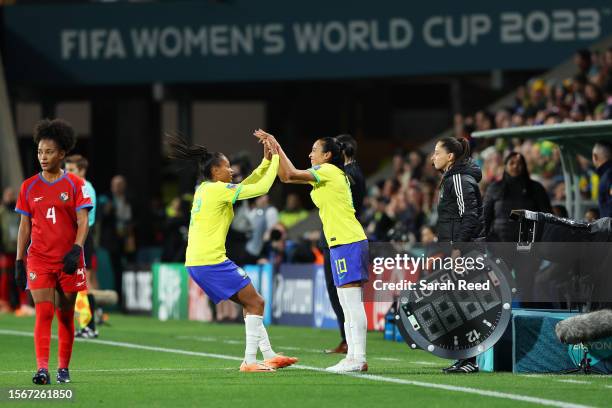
[{"x": 268, "y": 140}]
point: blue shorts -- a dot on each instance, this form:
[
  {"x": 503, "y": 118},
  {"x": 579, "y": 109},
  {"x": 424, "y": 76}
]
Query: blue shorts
[
  {"x": 220, "y": 281},
  {"x": 350, "y": 262}
]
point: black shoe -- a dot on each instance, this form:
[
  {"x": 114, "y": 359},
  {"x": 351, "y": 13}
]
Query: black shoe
[
  {"x": 86, "y": 333},
  {"x": 454, "y": 365},
  {"x": 41, "y": 377},
  {"x": 63, "y": 376},
  {"x": 462, "y": 367}
]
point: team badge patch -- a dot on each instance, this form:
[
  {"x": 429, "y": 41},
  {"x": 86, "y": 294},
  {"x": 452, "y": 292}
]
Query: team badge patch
[
  {"x": 64, "y": 196},
  {"x": 32, "y": 276}
]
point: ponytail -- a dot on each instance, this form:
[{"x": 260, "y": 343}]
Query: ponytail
[
  {"x": 459, "y": 147},
  {"x": 180, "y": 149},
  {"x": 333, "y": 146},
  {"x": 349, "y": 145}
]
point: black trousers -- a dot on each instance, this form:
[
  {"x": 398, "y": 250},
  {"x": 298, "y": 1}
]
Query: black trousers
[{"x": 332, "y": 292}]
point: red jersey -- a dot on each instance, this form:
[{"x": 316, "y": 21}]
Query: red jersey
[{"x": 52, "y": 208}]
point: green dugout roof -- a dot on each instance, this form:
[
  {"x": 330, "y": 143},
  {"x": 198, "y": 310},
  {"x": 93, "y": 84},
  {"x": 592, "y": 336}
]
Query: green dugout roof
[
  {"x": 572, "y": 139},
  {"x": 577, "y": 137}
]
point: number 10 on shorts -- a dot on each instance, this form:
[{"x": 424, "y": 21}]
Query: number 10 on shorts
[{"x": 341, "y": 266}]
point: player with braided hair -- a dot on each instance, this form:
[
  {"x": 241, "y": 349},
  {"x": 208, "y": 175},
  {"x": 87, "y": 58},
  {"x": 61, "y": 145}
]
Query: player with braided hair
[{"x": 206, "y": 259}]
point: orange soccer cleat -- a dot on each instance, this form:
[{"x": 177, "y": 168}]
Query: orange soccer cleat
[
  {"x": 280, "y": 361},
  {"x": 255, "y": 368}
]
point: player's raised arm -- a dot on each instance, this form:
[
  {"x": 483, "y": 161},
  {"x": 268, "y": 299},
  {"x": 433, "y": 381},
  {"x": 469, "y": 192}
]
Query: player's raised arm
[
  {"x": 288, "y": 173},
  {"x": 262, "y": 186},
  {"x": 258, "y": 173}
]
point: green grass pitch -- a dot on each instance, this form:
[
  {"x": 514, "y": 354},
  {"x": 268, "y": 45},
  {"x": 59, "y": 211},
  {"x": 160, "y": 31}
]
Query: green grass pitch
[{"x": 140, "y": 361}]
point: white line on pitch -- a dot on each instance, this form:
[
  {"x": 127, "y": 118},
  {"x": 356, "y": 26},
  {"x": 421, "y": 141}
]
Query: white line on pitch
[
  {"x": 234, "y": 342},
  {"x": 574, "y": 381},
  {"x": 430, "y": 363},
  {"x": 371, "y": 377},
  {"x": 128, "y": 370}
]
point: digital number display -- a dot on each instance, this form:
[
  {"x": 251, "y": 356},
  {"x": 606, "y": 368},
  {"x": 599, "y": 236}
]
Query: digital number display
[{"x": 458, "y": 323}]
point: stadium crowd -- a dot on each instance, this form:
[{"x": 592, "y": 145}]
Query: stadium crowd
[{"x": 404, "y": 205}]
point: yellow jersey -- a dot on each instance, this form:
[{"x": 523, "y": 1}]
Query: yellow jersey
[
  {"x": 331, "y": 193},
  {"x": 212, "y": 212}
]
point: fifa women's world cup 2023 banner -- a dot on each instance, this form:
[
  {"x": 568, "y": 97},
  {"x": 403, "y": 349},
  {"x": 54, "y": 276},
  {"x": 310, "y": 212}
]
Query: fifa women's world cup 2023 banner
[{"x": 244, "y": 40}]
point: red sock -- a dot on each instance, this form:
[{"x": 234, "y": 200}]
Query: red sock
[
  {"x": 65, "y": 336},
  {"x": 42, "y": 333}
]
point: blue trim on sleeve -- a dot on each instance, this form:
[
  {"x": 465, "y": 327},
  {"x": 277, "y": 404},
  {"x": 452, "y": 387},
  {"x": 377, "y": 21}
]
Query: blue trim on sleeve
[
  {"x": 84, "y": 206},
  {"x": 17, "y": 210}
]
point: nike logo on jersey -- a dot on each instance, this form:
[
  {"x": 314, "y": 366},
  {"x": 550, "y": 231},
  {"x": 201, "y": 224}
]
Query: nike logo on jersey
[
  {"x": 80, "y": 283},
  {"x": 37, "y": 199}
]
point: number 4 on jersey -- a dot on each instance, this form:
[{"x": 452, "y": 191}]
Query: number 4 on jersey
[{"x": 51, "y": 214}]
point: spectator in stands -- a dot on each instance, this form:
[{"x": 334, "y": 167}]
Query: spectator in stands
[
  {"x": 275, "y": 246},
  {"x": 175, "y": 231},
  {"x": 602, "y": 160},
  {"x": 431, "y": 248},
  {"x": 592, "y": 214},
  {"x": 583, "y": 61},
  {"x": 428, "y": 235},
  {"x": 560, "y": 211},
  {"x": 593, "y": 97},
  {"x": 293, "y": 213},
  {"x": 262, "y": 217},
  {"x": 377, "y": 221},
  {"x": 116, "y": 229},
  {"x": 516, "y": 190},
  {"x": 607, "y": 110}
]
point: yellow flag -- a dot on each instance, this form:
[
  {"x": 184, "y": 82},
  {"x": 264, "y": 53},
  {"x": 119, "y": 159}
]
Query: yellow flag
[{"x": 82, "y": 308}]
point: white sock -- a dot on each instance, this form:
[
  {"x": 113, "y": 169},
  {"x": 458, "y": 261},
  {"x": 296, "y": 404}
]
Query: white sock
[
  {"x": 252, "y": 325},
  {"x": 264, "y": 343},
  {"x": 358, "y": 322},
  {"x": 347, "y": 324}
]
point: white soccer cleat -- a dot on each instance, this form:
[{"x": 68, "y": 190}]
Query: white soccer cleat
[{"x": 348, "y": 366}]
